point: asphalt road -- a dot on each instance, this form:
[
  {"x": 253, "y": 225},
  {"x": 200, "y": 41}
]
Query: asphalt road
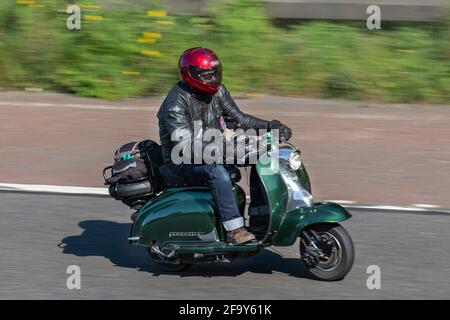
[{"x": 411, "y": 250}]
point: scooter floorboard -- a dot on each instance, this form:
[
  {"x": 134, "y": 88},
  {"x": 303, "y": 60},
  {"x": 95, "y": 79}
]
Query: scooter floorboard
[{"x": 218, "y": 247}]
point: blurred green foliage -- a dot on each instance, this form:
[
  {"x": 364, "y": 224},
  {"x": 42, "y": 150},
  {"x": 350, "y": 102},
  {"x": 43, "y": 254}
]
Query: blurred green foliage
[{"x": 111, "y": 57}]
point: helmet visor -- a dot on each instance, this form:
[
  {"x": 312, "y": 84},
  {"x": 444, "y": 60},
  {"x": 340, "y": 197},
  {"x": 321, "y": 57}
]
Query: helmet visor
[{"x": 207, "y": 76}]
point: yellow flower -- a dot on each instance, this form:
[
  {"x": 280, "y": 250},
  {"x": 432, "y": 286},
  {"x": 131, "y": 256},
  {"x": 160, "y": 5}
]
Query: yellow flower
[
  {"x": 150, "y": 52},
  {"x": 156, "y": 13},
  {"x": 90, "y": 6},
  {"x": 151, "y": 34},
  {"x": 146, "y": 40},
  {"x": 131, "y": 73},
  {"x": 93, "y": 18}
]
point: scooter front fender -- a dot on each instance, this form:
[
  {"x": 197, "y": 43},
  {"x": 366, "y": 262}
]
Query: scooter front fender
[{"x": 297, "y": 220}]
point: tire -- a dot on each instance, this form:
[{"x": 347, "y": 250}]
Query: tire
[
  {"x": 344, "y": 254},
  {"x": 168, "y": 266}
]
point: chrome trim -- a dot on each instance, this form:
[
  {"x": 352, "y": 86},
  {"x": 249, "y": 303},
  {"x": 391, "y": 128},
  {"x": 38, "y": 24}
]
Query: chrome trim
[
  {"x": 284, "y": 153},
  {"x": 134, "y": 238},
  {"x": 155, "y": 249},
  {"x": 298, "y": 197},
  {"x": 294, "y": 154}
]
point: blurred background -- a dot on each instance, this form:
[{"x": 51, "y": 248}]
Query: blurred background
[
  {"x": 283, "y": 47},
  {"x": 369, "y": 109}
]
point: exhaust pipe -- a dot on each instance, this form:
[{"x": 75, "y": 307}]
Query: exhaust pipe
[{"x": 155, "y": 249}]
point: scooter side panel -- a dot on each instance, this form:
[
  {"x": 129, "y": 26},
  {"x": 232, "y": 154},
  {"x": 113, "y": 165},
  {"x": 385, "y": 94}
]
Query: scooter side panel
[
  {"x": 295, "y": 221},
  {"x": 303, "y": 176},
  {"x": 275, "y": 190},
  {"x": 182, "y": 215},
  {"x": 240, "y": 198}
]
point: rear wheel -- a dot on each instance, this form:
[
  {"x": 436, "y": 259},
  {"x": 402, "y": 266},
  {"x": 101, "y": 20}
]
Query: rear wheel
[
  {"x": 169, "y": 265},
  {"x": 327, "y": 250}
]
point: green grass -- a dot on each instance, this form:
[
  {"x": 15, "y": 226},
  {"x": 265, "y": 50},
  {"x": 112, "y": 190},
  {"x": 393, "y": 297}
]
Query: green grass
[{"x": 400, "y": 63}]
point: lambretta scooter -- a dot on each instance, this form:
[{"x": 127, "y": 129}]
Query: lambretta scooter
[{"x": 180, "y": 226}]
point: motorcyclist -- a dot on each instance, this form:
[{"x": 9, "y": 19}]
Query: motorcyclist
[{"x": 201, "y": 96}]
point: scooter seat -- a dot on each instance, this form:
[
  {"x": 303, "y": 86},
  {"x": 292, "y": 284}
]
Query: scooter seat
[{"x": 171, "y": 180}]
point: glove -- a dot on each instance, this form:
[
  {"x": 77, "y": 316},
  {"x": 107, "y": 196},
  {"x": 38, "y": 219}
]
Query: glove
[
  {"x": 275, "y": 124},
  {"x": 285, "y": 133}
]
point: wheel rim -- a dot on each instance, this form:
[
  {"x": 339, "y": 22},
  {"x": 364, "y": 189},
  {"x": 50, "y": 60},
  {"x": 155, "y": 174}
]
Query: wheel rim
[{"x": 334, "y": 252}]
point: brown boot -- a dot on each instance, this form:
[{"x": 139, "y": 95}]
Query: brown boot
[{"x": 239, "y": 236}]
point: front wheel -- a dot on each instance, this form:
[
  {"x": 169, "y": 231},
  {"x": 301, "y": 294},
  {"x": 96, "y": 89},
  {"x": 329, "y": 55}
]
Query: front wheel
[{"x": 327, "y": 250}]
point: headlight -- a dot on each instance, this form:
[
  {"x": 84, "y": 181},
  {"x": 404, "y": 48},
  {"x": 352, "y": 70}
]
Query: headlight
[{"x": 294, "y": 161}]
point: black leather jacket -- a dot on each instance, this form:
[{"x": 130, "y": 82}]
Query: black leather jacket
[{"x": 182, "y": 107}]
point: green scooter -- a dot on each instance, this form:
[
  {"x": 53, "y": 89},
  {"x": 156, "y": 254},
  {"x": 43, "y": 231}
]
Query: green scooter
[{"x": 180, "y": 226}]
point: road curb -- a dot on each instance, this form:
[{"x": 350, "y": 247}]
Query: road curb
[{"x": 103, "y": 192}]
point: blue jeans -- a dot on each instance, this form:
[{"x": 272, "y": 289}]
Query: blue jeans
[{"x": 218, "y": 179}]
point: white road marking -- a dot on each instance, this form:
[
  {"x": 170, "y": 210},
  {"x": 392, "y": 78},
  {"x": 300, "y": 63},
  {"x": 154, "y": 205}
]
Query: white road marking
[
  {"x": 52, "y": 189},
  {"x": 72, "y": 105},
  {"x": 426, "y": 206},
  {"x": 39, "y": 188},
  {"x": 342, "y": 201},
  {"x": 387, "y": 207}
]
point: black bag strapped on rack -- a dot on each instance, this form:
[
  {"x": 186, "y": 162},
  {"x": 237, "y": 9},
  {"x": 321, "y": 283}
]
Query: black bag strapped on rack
[
  {"x": 135, "y": 172},
  {"x": 135, "y": 161}
]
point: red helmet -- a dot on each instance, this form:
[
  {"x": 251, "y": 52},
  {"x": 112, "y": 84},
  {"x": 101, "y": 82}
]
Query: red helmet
[{"x": 200, "y": 69}]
